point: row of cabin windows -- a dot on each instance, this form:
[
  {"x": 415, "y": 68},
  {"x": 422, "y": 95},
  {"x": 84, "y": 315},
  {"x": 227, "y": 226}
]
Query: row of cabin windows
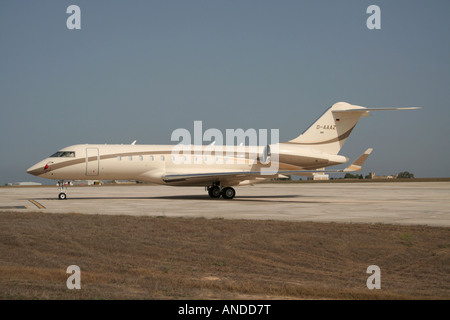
[
  {"x": 162, "y": 158},
  {"x": 71, "y": 154},
  {"x": 152, "y": 158}
]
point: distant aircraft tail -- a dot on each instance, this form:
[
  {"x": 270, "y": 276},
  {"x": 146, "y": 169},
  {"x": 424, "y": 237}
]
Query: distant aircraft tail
[{"x": 329, "y": 133}]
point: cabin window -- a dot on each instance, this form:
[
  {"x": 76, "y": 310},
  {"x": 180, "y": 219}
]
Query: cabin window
[
  {"x": 151, "y": 158},
  {"x": 162, "y": 158},
  {"x": 119, "y": 158},
  {"x": 141, "y": 158},
  {"x": 130, "y": 158}
]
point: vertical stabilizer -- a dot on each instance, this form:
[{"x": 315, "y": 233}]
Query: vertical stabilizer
[{"x": 329, "y": 133}]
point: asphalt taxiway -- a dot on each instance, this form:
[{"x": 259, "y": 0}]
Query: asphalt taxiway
[{"x": 423, "y": 203}]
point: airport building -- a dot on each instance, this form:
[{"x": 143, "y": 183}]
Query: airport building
[
  {"x": 373, "y": 176},
  {"x": 24, "y": 184},
  {"x": 319, "y": 176}
]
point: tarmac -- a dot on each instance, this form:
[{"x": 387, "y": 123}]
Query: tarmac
[{"x": 411, "y": 203}]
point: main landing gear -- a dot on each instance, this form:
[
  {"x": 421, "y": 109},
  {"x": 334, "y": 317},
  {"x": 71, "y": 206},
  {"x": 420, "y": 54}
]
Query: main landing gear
[
  {"x": 216, "y": 191},
  {"x": 62, "y": 189}
]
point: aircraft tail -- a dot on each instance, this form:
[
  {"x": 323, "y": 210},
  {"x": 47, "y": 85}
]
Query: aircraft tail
[{"x": 329, "y": 133}]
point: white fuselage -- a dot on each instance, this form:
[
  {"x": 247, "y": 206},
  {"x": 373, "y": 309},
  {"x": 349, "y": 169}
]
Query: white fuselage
[
  {"x": 218, "y": 168},
  {"x": 151, "y": 163}
]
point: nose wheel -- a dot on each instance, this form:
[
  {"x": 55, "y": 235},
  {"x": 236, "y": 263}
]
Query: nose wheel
[{"x": 62, "y": 190}]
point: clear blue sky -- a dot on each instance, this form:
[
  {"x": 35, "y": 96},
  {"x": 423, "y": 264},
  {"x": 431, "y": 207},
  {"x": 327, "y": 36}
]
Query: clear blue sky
[{"x": 140, "y": 69}]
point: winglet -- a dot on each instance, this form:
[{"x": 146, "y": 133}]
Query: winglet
[{"x": 357, "y": 164}]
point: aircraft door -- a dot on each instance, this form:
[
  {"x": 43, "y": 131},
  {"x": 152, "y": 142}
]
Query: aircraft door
[{"x": 92, "y": 161}]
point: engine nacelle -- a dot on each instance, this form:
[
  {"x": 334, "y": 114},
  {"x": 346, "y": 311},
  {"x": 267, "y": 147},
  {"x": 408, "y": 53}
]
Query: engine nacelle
[{"x": 307, "y": 157}]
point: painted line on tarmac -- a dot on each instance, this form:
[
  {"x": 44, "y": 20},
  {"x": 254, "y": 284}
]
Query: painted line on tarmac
[
  {"x": 37, "y": 204},
  {"x": 13, "y": 207}
]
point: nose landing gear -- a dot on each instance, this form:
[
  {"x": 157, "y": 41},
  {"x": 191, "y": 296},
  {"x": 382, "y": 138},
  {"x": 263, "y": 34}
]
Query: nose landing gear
[
  {"x": 62, "y": 196},
  {"x": 62, "y": 189}
]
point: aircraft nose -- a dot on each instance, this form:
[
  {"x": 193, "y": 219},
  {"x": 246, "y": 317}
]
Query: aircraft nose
[{"x": 35, "y": 170}]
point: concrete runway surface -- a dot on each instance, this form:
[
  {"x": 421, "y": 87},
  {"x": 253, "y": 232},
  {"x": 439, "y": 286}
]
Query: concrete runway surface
[{"x": 424, "y": 203}]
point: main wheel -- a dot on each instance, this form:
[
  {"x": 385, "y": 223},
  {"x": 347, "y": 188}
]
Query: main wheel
[
  {"x": 228, "y": 193},
  {"x": 214, "y": 192},
  {"x": 62, "y": 196}
]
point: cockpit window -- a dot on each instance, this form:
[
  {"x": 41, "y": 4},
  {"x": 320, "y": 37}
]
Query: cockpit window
[
  {"x": 61, "y": 154},
  {"x": 56, "y": 155}
]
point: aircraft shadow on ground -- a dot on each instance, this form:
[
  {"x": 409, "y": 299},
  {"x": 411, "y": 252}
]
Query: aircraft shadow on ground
[
  {"x": 173, "y": 197},
  {"x": 205, "y": 197}
]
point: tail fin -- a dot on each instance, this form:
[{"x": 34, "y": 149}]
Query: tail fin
[{"x": 329, "y": 133}]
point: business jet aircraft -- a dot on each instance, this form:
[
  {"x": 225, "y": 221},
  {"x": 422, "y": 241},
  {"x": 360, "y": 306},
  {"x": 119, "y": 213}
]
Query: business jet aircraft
[{"x": 307, "y": 154}]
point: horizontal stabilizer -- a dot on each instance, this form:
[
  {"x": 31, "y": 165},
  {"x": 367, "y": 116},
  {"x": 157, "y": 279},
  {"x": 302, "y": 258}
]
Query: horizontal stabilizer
[{"x": 375, "y": 109}]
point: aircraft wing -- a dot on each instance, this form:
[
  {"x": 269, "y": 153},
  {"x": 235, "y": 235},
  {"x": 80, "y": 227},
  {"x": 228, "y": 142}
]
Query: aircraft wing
[
  {"x": 357, "y": 164},
  {"x": 234, "y": 177}
]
